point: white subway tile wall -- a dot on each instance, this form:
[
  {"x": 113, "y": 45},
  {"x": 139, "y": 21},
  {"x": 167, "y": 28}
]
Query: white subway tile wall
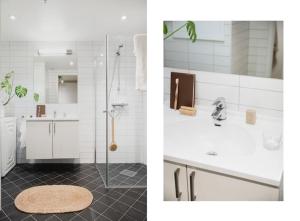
[
  {"x": 265, "y": 95},
  {"x": 247, "y": 49},
  {"x": 18, "y": 56}
]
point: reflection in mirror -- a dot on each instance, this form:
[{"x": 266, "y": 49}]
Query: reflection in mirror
[
  {"x": 253, "y": 48},
  {"x": 67, "y": 89},
  {"x": 55, "y": 76}
]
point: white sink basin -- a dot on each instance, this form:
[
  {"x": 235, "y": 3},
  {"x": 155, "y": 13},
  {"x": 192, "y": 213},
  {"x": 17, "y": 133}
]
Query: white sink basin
[
  {"x": 235, "y": 148},
  {"x": 205, "y": 138}
]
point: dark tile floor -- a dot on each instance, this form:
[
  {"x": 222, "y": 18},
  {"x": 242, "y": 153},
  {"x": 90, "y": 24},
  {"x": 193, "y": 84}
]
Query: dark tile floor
[
  {"x": 108, "y": 204},
  {"x": 116, "y": 179}
]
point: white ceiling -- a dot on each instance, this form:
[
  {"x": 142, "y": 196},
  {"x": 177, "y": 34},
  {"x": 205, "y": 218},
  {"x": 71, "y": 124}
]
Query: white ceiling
[{"x": 70, "y": 20}]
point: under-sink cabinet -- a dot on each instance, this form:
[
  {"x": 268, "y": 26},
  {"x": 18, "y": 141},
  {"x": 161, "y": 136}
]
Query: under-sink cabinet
[
  {"x": 175, "y": 185},
  {"x": 52, "y": 139},
  {"x": 182, "y": 183}
]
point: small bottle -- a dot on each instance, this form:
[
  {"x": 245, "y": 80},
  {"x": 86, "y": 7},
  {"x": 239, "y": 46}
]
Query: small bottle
[{"x": 250, "y": 116}]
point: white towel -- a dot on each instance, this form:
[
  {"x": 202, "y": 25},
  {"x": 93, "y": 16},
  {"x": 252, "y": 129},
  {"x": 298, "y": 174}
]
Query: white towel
[
  {"x": 21, "y": 133},
  {"x": 140, "y": 51}
]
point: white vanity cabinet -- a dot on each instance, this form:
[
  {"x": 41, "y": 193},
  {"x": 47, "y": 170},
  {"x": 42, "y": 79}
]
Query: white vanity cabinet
[
  {"x": 206, "y": 185},
  {"x": 51, "y": 139},
  {"x": 175, "y": 185},
  {"x": 203, "y": 185},
  {"x": 39, "y": 139},
  {"x": 65, "y": 142}
]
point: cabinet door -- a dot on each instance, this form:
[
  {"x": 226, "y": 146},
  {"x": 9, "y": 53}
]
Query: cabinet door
[
  {"x": 39, "y": 139},
  {"x": 175, "y": 184},
  {"x": 65, "y": 139},
  {"x": 205, "y": 185}
]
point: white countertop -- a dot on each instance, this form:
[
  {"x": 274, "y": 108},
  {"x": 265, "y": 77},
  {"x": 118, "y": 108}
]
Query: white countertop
[
  {"x": 52, "y": 119},
  {"x": 185, "y": 144}
]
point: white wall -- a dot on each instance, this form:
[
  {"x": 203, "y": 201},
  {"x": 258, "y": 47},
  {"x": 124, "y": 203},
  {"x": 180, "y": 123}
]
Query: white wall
[
  {"x": 18, "y": 56},
  {"x": 265, "y": 95}
]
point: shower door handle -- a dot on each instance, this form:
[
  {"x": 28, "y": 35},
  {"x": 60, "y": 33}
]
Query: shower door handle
[
  {"x": 192, "y": 186},
  {"x": 49, "y": 128},
  {"x": 176, "y": 178}
]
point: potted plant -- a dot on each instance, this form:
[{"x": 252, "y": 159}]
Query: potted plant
[{"x": 8, "y": 91}]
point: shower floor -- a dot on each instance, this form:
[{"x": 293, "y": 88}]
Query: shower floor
[{"x": 124, "y": 174}]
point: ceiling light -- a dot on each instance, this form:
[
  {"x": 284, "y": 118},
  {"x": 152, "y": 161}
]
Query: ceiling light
[
  {"x": 124, "y": 17},
  {"x": 12, "y": 17},
  {"x": 54, "y": 52},
  {"x": 71, "y": 63}
]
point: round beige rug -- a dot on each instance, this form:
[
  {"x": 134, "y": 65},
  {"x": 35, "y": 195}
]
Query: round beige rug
[{"x": 53, "y": 199}]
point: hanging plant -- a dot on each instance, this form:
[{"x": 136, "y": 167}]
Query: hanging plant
[
  {"x": 7, "y": 86},
  {"x": 190, "y": 28}
]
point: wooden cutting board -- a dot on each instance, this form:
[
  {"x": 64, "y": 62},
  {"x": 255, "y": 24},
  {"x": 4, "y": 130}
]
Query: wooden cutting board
[{"x": 186, "y": 89}]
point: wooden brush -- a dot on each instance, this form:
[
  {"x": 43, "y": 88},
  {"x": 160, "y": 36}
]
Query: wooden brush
[
  {"x": 176, "y": 93},
  {"x": 113, "y": 146}
]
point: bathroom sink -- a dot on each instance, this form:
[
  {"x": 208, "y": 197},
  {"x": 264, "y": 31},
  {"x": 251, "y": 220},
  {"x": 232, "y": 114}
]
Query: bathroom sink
[
  {"x": 234, "y": 148},
  {"x": 205, "y": 138}
]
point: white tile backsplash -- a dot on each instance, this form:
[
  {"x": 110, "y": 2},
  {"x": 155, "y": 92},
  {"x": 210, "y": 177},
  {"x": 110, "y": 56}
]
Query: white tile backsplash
[
  {"x": 265, "y": 95},
  {"x": 261, "y": 98}
]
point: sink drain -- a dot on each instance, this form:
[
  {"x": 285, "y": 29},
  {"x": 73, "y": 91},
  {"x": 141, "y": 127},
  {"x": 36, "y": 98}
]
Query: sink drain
[{"x": 212, "y": 153}]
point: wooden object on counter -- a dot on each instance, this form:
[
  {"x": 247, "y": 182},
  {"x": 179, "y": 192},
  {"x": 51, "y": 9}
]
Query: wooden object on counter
[
  {"x": 186, "y": 90},
  {"x": 191, "y": 111},
  {"x": 176, "y": 93},
  {"x": 250, "y": 116},
  {"x": 40, "y": 110}
]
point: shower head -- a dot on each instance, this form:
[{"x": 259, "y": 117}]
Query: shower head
[{"x": 118, "y": 53}]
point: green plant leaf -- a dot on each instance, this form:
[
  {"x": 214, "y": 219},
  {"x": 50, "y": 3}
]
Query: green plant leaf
[
  {"x": 8, "y": 75},
  {"x": 191, "y": 30},
  {"x": 165, "y": 29},
  {"x": 36, "y": 97},
  {"x": 20, "y": 91}
]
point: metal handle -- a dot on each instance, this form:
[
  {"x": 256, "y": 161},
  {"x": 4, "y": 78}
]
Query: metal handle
[
  {"x": 192, "y": 184},
  {"x": 54, "y": 128},
  {"x": 176, "y": 177},
  {"x": 49, "y": 128}
]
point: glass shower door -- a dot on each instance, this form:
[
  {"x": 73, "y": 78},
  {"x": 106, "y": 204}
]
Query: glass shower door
[{"x": 125, "y": 118}]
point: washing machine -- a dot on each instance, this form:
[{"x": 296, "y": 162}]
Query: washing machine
[{"x": 8, "y": 144}]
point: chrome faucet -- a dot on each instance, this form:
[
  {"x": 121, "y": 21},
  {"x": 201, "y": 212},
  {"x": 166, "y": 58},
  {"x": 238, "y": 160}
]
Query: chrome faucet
[{"x": 220, "y": 111}]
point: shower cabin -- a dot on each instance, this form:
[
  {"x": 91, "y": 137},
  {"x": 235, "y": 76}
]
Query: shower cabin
[{"x": 120, "y": 113}]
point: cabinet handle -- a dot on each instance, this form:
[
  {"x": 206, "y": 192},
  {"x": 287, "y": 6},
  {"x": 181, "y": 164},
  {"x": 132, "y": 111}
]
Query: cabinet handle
[
  {"x": 54, "y": 128},
  {"x": 176, "y": 177},
  {"x": 49, "y": 128},
  {"x": 192, "y": 186}
]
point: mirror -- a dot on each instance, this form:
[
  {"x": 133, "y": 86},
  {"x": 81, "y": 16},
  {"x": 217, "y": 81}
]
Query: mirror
[
  {"x": 67, "y": 89},
  {"x": 253, "y": 48},
  {"x": 56, "y": 77}
]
